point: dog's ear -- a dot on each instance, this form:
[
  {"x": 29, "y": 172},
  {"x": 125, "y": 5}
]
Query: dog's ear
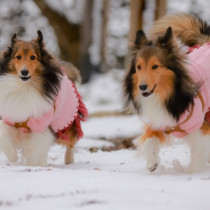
[
  {"x": 141, "y": 39},
  {"x": 40, "y": 39},
  {"x": 13, "y": 39},
  {"x": 9, "y": 50},
  {"x": 166, "y": 41}
]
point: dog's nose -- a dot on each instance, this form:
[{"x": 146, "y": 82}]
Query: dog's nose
[
  {"x": 143, "y": 87},
  {"x": 24, "y": 72}
]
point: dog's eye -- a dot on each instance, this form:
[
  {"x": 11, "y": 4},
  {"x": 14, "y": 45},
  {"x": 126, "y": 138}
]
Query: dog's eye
[
  {"x": 155, "y": 67},
  {"x": 18, "y": 57},
  {"x": 139, "y": 67},
  {"x": 33, "y": 57}
]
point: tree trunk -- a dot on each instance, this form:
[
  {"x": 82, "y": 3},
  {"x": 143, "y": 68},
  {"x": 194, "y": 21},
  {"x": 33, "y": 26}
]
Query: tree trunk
[
  {"x": 160, "y": 8},
  {"x": 105, "y": 18},
  {"x": 86, "y": 39},
  {"x": 68, "y": 34},
  {"x": 136, "y": 23},
  {"x": 136, "y": 17}
]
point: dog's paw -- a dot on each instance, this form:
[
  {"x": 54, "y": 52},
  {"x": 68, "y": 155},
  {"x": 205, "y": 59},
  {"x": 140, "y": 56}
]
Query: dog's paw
[
  {"x": 33, "y": 162},
  {"x": 193, "y": 169},
  {"x": 12, "y": 158},
  {"x": 152, "y": 167},
  {"x": 11, "y": 155}
]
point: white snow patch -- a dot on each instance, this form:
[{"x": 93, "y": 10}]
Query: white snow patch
[
  {"x": 102, "y": 180},
  {"x": 113, "y": 127}
]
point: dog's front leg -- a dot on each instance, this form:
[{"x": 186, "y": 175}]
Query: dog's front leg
[
  {"x": 199, "y": 144},
  {"x": 36, "y": 148},
  {"x": 150, "y": 146},
  {"x": 7, "y": 144},
  {"x": 205, "y": 130}
]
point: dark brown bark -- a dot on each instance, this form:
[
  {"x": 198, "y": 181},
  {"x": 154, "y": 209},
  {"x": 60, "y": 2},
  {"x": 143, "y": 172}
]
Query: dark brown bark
[
  {"x": 105, "y": 18},
  {"x": 136, "y": 17},
  {"x": 160, "y": 8},
  {"x": 86, "y": 39},
  {"x": 136, "y": 23}
]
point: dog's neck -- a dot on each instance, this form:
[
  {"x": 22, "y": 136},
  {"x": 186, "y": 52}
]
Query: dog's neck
[
  {"x": 154, "y": 112},
  {"x": 19, "y": 100}
]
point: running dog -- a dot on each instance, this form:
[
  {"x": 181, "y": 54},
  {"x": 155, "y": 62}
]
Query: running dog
[
  {"x": 168, "y": 84},
  {"x": 38, "y": 103}
]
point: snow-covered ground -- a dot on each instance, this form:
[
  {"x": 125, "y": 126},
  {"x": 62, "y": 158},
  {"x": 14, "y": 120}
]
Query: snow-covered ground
[
  {"x": 98, "y": 179},
  {"x": 102, "y": 180},
  {"x": 105, "y": 180}
]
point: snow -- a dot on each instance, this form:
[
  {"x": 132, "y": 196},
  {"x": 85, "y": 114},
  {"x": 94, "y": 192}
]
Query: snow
[
  {"x": 117, "y": 32},
  {"x": 198, "y": 8},
  {"x": 100, "y": 179},
  {"x": 72, "y": 10},
  {"x": 24, "y": 18},
  {"x": 113, "y": 127},
  {"x": 105, "y": 180},
  {"x": 104, "y": 92}
]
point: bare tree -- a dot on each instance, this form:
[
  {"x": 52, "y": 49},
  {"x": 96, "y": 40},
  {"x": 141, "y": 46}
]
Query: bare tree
[
  {"x": 86, "y": 39},
  {"x": 160, "y": 8},
  {"x": 68, "y": 34},
  {"x": 136, "y": 17},
  {"x": 137, "y": 8},
  {"x": 105, "y": 18}
]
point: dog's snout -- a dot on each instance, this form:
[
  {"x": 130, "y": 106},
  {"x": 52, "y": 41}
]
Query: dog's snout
[
  {"x": 25, "y": 75},
  {"x": 24, "y": 72},
  {"x": 143, "y": 87}
]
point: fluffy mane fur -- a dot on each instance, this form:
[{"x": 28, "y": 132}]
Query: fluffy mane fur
[
  {"x": 172, "y": 57},
  {"x": 170, "y": 88},
  {"x": 46, "y": 79},
  {"x": 39, "y": 104}
]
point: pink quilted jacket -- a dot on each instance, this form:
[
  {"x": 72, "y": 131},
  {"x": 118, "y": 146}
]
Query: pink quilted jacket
[
  {"x": 68, "y": 108},
  {"x": 199, "y": 69}
]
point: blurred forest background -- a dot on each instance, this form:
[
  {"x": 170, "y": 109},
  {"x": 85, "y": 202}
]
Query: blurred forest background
[{"x": 92, "y": 34}]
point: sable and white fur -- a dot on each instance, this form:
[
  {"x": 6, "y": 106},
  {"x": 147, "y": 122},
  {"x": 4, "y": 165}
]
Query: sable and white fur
[
  {"x": 20, "y": 100},
  {"x": 160, "y": 89},
  {"x": 29, "y": 83}
]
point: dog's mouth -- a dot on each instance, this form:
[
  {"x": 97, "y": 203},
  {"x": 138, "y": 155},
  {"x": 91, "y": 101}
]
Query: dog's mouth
[
  {"x": 25, "y": 78},
  {"x": 146, "y": 94}
]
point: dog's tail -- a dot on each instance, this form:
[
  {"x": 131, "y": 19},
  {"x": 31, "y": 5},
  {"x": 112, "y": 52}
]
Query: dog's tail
[
  {"x": 188, "y": 28},
  {"x": 71, "y": 71}
]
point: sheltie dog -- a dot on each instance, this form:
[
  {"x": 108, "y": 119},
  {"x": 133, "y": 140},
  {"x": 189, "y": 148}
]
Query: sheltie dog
[
  {"x": 168, "y": 84},
  {"x": 38, "y": 103}
]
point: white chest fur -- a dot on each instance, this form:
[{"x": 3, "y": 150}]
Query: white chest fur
[
  {"x": 20, "y": 100},
  {"x": 154, "y": 112}
]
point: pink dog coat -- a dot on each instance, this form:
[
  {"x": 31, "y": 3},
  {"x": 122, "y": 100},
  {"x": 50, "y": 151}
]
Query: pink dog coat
[
  {"x": 68, "y": 108},
  {"x": 199, "y": 69}
]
